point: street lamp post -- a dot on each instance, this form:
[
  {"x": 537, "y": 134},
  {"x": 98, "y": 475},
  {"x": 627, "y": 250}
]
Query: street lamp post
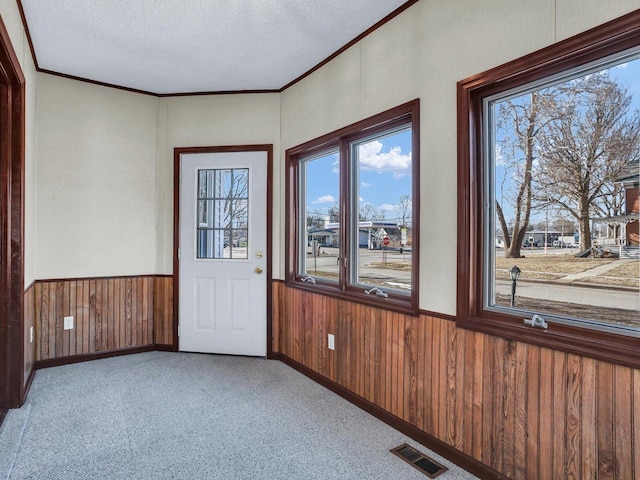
[{"x": 514, "y": 273}]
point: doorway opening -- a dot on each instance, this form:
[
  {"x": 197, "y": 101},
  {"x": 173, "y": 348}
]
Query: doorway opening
[{"x": 12, "y": 131}]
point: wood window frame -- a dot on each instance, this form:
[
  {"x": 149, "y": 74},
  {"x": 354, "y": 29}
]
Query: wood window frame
[
  {"x": 12, "y": 148},
  {"x": 340, "y": 140},
  {"x": 608, "y": 39}
]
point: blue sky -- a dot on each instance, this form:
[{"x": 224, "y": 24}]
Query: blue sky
[
  {"x": 627, "y": 74},
  {"x": 385, "y": 164},
  {"x": 384, "y": 175}
]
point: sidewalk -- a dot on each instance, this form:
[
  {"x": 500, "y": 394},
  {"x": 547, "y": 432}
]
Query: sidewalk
[{"x": 592, "y": 272}]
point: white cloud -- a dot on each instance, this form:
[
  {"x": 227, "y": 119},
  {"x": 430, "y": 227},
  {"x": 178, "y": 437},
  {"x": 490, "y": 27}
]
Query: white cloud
[
  {"x": 499, "y": 157},
  {"x": 325, "y": 199},
  {"x": 387, "y": 207},
  {"x": 366, "y": 184},
  {"x": 372, "y": 159}
]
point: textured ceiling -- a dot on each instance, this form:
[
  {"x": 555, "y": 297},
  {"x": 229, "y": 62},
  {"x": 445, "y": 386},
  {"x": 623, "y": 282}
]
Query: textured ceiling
[{"x": 186, "y": 46}]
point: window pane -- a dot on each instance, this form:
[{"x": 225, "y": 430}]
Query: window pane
[
  {"x": 381, "y": 226},
  {"x": 320, "y": 212},
  {"x": 564, "y": 178},
  {"x": 239, "y": 213},
  {"x": 224, "y": 183},
  {"x": 223, "y": 213}
]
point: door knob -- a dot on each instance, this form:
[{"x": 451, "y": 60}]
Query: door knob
[{"x": 258, "y": 270}]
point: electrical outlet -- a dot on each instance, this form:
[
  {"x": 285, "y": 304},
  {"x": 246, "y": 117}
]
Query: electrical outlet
[
  {"x": 68, "y": 323},
  {"x": 30, "y": 334},
  {"x": 332, "y": 342}
]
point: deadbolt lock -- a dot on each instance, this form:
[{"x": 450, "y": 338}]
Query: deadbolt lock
[{"x": 258, "y": 254}]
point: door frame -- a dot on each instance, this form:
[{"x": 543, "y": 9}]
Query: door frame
[
  {"x": 12, "y": 178},
  {"x": 177, "y": 152}
]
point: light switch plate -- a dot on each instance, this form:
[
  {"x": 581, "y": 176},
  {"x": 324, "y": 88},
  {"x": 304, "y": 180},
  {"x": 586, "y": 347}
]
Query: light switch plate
[
  {"x": 332, "y": 342},
  {"x": 68, "y": 323}
]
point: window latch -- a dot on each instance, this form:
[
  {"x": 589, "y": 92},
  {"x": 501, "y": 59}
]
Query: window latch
[
  {"x": 377, "y": 291},
  {"x": 308, "y": 279},
  {"x": 537, "y": 322}
]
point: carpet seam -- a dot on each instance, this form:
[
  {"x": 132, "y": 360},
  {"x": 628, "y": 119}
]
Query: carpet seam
[{"x": 19, "y": 446}]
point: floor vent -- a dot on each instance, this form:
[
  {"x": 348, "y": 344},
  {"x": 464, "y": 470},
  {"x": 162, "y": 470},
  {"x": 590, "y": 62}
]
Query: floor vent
[{"x": 413, "y": 457}]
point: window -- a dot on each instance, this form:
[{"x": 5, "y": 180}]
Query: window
[
  {"x": 320, "y": 214},
  {"x": 548, "y": 161},
  {"x": 353, "y": 222},
  {"x": 223, "y": 213}
]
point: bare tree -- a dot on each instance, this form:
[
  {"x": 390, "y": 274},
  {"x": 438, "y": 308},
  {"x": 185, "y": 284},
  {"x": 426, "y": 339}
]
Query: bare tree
[
  {"x": 562, "y": 224},
  {"x": 403, "y": 210},
  {"x": 315, "y": 219},
  {"x": 368, "y": 211},
  {"x": 334, "y": 213},
  {"x": 236, "y": 203},
  {"x": 611, "y": 204},
  {"x": 589, "y": 139},
  {"x": 540, "y": 226},
  {"x": 519, "y": 122}
]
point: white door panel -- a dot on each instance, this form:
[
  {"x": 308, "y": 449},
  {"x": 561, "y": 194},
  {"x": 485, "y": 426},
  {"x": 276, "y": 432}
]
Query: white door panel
[{"x": 223, "y": 290}]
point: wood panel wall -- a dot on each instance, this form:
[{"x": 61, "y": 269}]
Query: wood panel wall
[
  {"x": 163, "y": 310},
  {"x": 524, "y": 411},
  {"x": 29, "y": 321},
  {"x": 110, "y": 314}
]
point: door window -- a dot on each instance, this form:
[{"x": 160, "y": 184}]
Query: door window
[{"x": 223, "y": 213}]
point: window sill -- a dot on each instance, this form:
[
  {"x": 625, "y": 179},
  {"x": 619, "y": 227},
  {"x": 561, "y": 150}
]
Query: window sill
[
  {"x": 393, "y": 303},
  {"x": 609, "y": 347}
]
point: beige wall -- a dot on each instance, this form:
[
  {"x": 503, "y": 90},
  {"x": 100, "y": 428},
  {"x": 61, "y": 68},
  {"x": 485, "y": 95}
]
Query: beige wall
[
  {"x": 422, "y": 54},
  {"x": 105, "y": 157},
  {"x": 105, "y": 171},
  {"x": 204, "y": 121},
  {"x": 30, "y": 166},
  {"x": 96, "y": 180},
  {"x": 575, "y": 16}
]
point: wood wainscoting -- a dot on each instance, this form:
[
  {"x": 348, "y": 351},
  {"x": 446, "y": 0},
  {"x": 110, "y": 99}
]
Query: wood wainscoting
[
  {"x": 163, "y": 327},
  {"x": 110, "y": 315},
  {"x": 513, "y": 409},
  {"x": 29, "y": 343}
]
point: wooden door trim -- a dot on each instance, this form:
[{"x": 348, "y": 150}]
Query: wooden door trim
[
  {"x": 268, "y": 149},
  {"x": 12, "y": 117}
]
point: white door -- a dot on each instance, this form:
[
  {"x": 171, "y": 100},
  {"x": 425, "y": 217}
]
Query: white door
[{"x": 223, "y": 225}]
